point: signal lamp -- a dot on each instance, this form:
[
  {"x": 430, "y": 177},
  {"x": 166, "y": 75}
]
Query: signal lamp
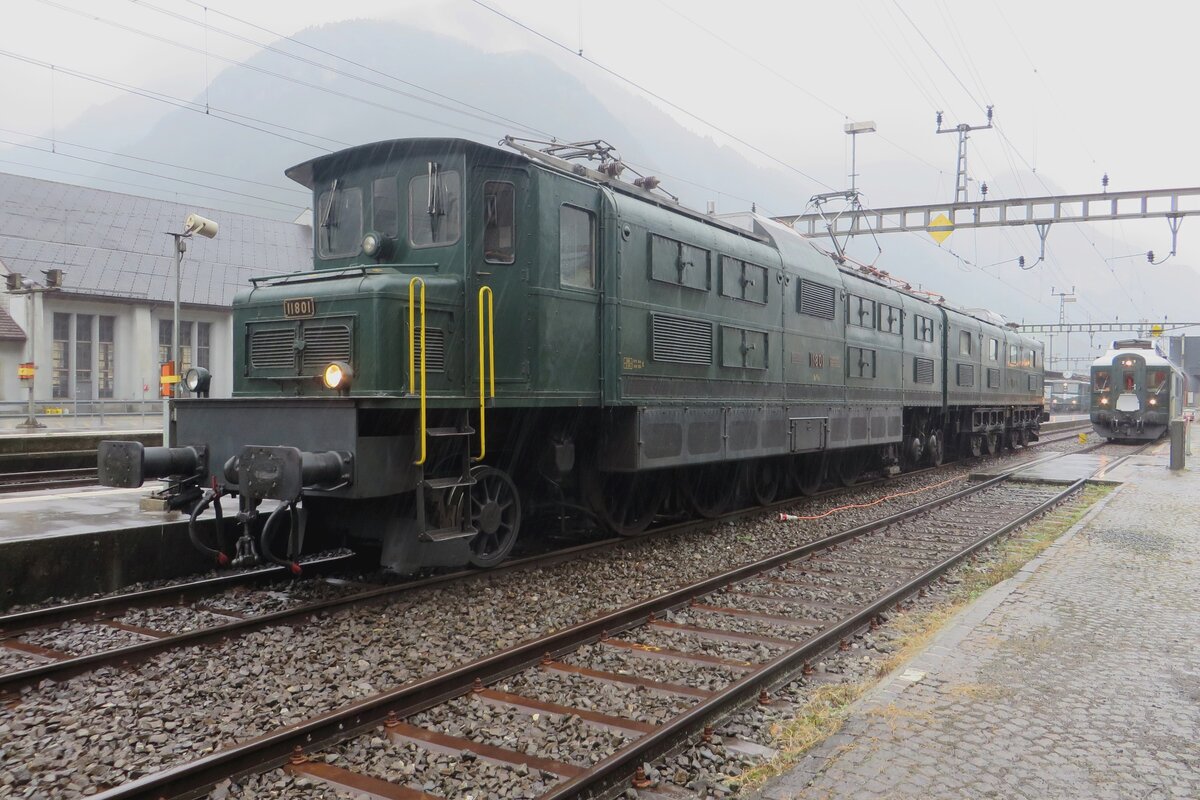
[
  {"x": 197, "y": 380},
  {"x": 337, "y": 375}
]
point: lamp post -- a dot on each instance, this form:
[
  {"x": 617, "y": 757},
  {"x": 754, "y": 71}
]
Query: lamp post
[
  {"x": 208, "y": 229},
  {"x": 28, "y": 371},
  {"x": 853, "y": 129}
]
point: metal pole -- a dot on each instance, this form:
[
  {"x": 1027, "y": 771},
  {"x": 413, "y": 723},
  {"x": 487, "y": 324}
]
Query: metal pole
[
  {"x": 30, "y": 419},
  {"x": 853, "y": 159}
]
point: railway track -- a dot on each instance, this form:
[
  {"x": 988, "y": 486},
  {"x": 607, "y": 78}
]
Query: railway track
[
  {"x": 908, "y": 548},
  {"x": 124, "y": 629},
  {"x": 47, "y": 479}
]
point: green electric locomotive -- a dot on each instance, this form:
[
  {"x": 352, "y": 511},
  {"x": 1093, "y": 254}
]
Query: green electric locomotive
[{"x": 490, "y": 332}]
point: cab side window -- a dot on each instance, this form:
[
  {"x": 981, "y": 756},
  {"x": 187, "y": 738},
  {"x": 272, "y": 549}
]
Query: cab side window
[
  {"x": 577, "y": 247},
  {"x": 499, "y": 226},
  {"x": 964, "y": 343}
]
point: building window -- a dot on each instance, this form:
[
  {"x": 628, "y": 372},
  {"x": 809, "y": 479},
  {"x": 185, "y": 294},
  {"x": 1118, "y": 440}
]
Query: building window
[
  {"x": 104, "y": 357},
  {"x": 203, "y": 340},
  {"x": 164, "y": 340},
  {"x": 83, "y": 356},
  {"x": 576, "y": 248},
  {"x": 499, "y": 232},
  {"x": 185, "y": 347},
  {"x": 61, "y": 356}
]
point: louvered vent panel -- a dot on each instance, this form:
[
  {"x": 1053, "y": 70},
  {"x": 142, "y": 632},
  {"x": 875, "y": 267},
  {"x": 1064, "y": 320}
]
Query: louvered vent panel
[
  {"x": 681, "y": 341},
  {"x": 816, "y": 300},
  {"x": 993, "y": 376},
  {"x": 1033, "y": 383},
  {"x": 435, "y": 350},
  {"x": 273, "y": 349},
  {"x": 922, "y": 370},
  {"x": 325, "y": 343},
  {"x": 966, "y": 374}
]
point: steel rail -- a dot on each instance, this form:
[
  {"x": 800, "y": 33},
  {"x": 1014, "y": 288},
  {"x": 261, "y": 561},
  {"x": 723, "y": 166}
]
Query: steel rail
[
  {"x": 12, "y": 625},
  {"x": 276, "y": 747}
]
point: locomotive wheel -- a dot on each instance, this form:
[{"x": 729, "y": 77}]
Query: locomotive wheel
[
  {"x": 808, "y": 473},
  {"x": 626, "y": 502},
  {"x": 849, "y": 467},
  {"x": 766, "y": 475},
  {"x": 495, "y": 511},
  {"x": 992, "y": 441},
  {"x": 975, "y": 443},
  {"x": 707, "y": 491},
  {"x": 934, "y": 451}
]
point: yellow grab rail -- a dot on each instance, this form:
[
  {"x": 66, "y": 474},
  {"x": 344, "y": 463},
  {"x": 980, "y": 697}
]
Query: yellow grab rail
[
  {"x": 412, "y": 340},
  {"x": 491, "y": 361}
]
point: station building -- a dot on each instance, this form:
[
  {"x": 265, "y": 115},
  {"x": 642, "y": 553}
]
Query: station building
[{"x": 101, "y": 338}]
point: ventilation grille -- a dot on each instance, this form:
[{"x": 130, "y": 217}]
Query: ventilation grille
[
  {"x": 681, "y": 341},
  {"x": 993, "y": 376},
  {"x": 1033, "y": 383},
  {"x": 966, "y": 374},
  {"x": 435, "y": 350},
  {"x": 816, "y": 300},
  {"x": 324, "y": 343},
  {"x": 922, "y": 370},
  {"x": 273, "y": 349}
]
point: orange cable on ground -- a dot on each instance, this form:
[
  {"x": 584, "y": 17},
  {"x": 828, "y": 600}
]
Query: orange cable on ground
[{"x": 795, "y": 518}]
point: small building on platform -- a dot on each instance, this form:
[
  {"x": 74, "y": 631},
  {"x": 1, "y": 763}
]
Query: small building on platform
[{"x": 102, "y": 336}]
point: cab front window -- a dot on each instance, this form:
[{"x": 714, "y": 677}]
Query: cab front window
[
  {"x": 339, "y": 221},
  {"x": 1100, "y": 380},
  {"x": 1158, "y": 380},
  {"x": 435, "y": 207}
]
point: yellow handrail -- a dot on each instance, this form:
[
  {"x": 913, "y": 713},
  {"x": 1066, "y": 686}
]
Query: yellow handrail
[
  {"x": 412, "y": 340},
  {"x": 491, "y": 359}
]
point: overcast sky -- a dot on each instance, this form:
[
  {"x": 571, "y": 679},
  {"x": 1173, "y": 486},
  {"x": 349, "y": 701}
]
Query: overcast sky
[{"x": 1079, "y": 88}]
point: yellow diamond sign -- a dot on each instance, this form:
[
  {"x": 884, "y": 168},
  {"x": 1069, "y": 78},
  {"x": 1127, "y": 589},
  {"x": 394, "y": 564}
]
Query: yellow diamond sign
[{"x": 940, "y": 228}]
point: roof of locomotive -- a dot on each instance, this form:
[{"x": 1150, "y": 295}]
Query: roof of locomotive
[
  {"x": 1139, "y": 347},
  {"x": 305, "y": 172}
]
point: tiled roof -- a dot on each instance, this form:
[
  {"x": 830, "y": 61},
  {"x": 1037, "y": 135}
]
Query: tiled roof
[
  {"x": 10, "y": 331},
  {"x": 114, "y": 244}
]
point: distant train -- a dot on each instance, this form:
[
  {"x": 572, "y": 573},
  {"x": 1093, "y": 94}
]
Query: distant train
[
  {"x": 1136, "y": 391},
  {"x": 1066, "y": 396}
]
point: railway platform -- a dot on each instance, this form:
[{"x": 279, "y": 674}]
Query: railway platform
[{"x": 1077, "y": 678}]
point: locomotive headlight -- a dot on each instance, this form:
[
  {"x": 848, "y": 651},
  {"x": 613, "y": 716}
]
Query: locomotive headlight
[
  {"x": 376, "y": 246},
  {"x": 1103, "y": 401},
  {"x": 1153, "y": 401},
  {"x": 197, "y": 380},
  {"x": 337, "y": 375}
]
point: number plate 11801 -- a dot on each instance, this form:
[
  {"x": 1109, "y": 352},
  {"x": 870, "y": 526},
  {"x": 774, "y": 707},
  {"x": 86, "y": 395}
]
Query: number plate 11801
[{"x": 299, "y": 307}]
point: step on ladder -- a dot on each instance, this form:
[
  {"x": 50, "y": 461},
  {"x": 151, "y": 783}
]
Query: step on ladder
[{"x": 456, "y": 435}]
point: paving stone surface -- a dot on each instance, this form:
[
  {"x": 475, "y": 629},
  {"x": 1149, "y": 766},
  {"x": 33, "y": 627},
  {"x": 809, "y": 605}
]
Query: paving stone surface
[{"x": 1079, "y": 678}]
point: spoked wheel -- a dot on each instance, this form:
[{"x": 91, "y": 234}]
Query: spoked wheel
[
  {"x": 766, "y": 475},
  {"x": 808, "y": 473},
  {"x": 975, "y": 445},
  {"x": 849, "y": 467},
  {"x": 707, "y": 491},
  {"x": 934, "y": 450},
  {"x": 495, "y": 511},
  {"x": 626, "y": 502},
  {"x": 992, "y": 443}
]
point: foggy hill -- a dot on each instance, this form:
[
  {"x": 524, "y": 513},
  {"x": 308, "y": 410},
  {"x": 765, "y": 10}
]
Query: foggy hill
[{"x": 571, "y": 101}]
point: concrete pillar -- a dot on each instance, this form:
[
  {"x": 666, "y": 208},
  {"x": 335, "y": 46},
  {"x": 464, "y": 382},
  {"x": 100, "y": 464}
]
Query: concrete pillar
[{"x": 1178, "y": 429}]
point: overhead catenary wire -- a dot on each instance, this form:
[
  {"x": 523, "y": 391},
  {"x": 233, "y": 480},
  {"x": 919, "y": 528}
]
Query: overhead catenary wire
[{"x": 629, "y": 81}]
